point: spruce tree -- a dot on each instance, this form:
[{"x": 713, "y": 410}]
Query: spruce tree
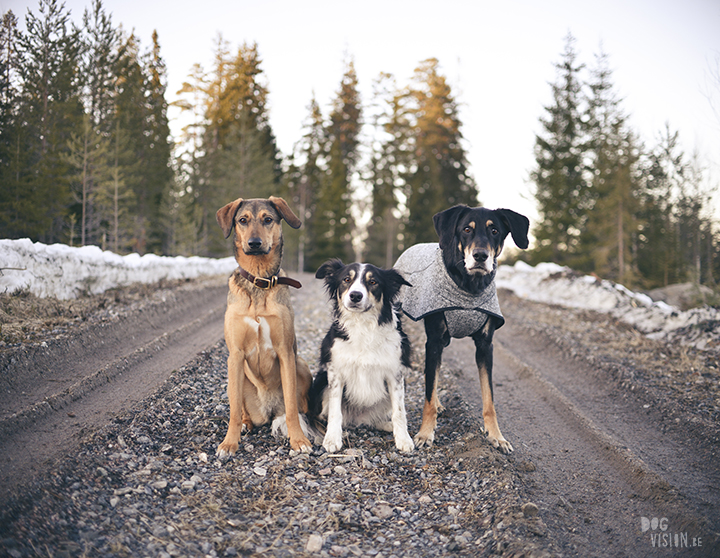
[
  {"x": 11, "y": 136},
  {"x": 332, "y": 221},
  {"x": 305, "y": 182},
  {"x": 239, "y": 156},
  {"x": 156, "y": 148},
  {"x": 130, "y": 112},
  {"x": 391, "y": 159},
  {"x": 660, "y": 263},
  {"x": 612, "y": 158},
  {"x": 561, "y": 189},
  {"x": 49, "y": 110},
  {"x": 439, "y": 177}
]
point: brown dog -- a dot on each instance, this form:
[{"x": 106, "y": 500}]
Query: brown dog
[{"x": 266, "y": 378}]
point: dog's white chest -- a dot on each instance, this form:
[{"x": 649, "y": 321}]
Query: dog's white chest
[
  {"x": 258, "y": 339},
  {"x": 364, "y": 362}
]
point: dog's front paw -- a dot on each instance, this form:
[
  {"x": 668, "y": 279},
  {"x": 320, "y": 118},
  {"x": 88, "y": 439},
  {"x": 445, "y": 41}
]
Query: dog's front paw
[
  {"x": 301, "y": 444},
  {"x": 500, "y": 443},
  {"x": 424, "y": 438},
  {"x": 226, "y": 449},
  {"x": 332, "y": 442},
  {"x": 404, "y": 443}
]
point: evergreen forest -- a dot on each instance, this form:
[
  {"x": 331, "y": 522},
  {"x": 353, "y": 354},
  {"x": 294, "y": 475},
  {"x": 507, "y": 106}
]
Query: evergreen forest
[{"x": 86, "y": 157}]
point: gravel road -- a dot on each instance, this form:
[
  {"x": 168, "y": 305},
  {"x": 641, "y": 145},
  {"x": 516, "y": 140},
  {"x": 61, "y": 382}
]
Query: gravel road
[{"x": 604, "y": 437}]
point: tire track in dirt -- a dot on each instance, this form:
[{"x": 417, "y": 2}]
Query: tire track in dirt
[
  {"x": 593, "y": 461},
  {"x": 52, "y": 397}
]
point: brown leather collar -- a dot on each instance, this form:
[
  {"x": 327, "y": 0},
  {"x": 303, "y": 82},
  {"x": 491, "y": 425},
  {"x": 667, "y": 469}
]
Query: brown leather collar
[{"x": 265, "y": 284}]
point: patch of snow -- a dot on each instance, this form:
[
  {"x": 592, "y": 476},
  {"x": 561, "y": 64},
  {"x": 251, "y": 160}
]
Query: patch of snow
[
  {"x": 65, "y": 272},
  {"x": 554, "y": 284}
]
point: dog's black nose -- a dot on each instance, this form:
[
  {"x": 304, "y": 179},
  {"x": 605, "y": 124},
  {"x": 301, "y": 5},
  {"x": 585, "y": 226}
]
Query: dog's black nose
[
  {"x": 481, "y": 255},
  {"x": 255, "y": 243},
  {"x": 356, "y": 296}
]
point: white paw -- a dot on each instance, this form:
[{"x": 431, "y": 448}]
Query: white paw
[
  {"x": 332, "y": 442},
  {"x": 279, "y": 428},
  {"x": 404, "y": 443}
]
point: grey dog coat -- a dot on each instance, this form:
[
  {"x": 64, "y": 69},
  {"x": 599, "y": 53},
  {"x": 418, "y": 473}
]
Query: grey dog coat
[{"x": 433, "y": 290}]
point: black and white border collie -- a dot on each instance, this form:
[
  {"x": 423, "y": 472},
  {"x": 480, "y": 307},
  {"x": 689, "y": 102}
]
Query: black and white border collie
[{"x": 364, "y": 355}]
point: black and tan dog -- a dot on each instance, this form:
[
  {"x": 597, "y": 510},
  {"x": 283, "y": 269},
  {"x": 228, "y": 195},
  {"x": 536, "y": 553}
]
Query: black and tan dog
[
  {"x": 266, "y": 378},
  {"x": 454, "y": 293}
]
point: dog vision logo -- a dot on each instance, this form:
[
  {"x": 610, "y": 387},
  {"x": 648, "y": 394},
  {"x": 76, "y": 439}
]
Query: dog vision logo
[{"x": 662, "y": 537}]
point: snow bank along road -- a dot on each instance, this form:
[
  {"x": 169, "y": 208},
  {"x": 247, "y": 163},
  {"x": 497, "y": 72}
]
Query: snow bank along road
[{"x": 610, "y": 474}]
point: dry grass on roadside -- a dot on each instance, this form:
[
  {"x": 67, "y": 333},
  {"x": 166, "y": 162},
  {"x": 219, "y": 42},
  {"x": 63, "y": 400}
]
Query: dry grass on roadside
[{"x": 26, "y": 318}]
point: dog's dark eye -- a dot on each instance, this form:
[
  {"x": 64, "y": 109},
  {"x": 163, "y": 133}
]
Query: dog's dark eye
[
  {"x": 493, "y": 231},
  {"x": 347, "y": 279},
  {"x": 467, "y": 230},
  {"x": 242, "y": 221},
  {"x": 372, "y": 282},
  {"x": 268, "y": 220}
]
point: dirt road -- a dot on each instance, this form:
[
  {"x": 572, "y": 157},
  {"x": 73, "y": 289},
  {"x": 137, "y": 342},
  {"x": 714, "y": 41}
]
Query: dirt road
[
  {"x": 53, "y": 393},
  {"x": 595, "y": 458},
  {"x": 611, "y": 471}
]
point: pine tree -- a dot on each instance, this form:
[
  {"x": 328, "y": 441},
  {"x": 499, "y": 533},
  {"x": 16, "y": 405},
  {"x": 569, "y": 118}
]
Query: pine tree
[
  {"x": 332, "y": 221},
  {"x": 157, "y": 149},
  {"x": 305, "y": 182},
  {"x": 115, "y": 198},
  {"x": 191, "y": 186},
  {"x": 612, "y": 158},
  {"x": 99, "y": 65},
  {"x": 50, "y": 109},
  {"x": 391, "y": 159},
  {"x": 11, "y": 138},
  {"x": 439, "y": 177},
  {"x": 238, "y": 154},
  {"x": 561, "y": 190},
  {"x": 86, "y": 157},
  {"x": 90, "y": 152}
]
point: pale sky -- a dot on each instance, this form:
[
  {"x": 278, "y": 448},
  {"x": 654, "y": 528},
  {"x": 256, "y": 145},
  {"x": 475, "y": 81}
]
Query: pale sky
[{"x": 498, "y": 58}]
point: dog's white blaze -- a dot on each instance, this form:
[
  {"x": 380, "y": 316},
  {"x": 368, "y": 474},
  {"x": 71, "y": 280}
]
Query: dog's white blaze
[
  {"x": 262, "y": 333},
  {"x": 264, "y": 340},
  {"x": 358, "y": 286}
]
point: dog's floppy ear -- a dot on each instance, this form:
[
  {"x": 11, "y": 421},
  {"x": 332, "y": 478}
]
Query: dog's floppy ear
[
  {"x": 518, "y": 225},
  {"x": 329, "y": 268},
  {"x": 446, "y": 221},
  {"x": 394, "y": 280},
  {"x": 285, "y": 211},
  {"x": 226, "y": 215},
  {"x": 396, "y": 277}
]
